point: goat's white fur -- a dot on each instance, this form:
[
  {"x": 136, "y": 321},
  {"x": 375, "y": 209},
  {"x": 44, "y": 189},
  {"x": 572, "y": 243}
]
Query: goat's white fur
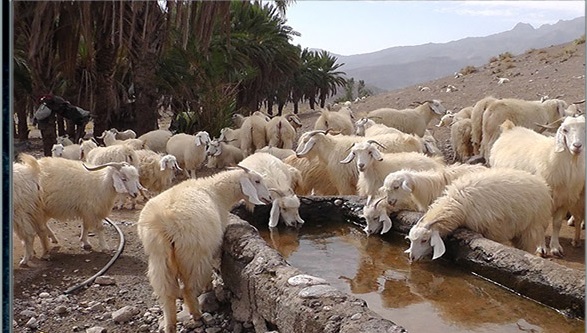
[
  {"x": 281, "y": 179},
  {"x": 190, "y": 151},
  {"x": 422, "y": 187},
  {"x": 339, "y": 121},
  {"x": 253, "y": 133},
  {"x": 27, "y": 198},
  {"x": 71, "y": 191},
  {"x": 124, "y": 135},
  {"x": 280, "y": 133},
  {"x": 521, "y": 113},
  {"x": 504, "y": 205},
  {"x": 411, "y": 121},
  {"x": 373, "y": 166},
  {"x": 221, "y": 154},
  {"x": 560, "y": 160},
  {"x": 156, "y": 140},
  {"x": 461, "y": 139},
  {"x": 187, "y": 219}
]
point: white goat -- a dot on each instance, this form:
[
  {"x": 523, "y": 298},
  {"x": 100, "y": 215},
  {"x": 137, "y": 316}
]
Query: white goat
[
  {"x": 316, "y": 179},
  {"x": 124, "y": 135},
  {"x": 190, "y": 151},
  {"x": 461, "y": 139},
  {"x": 477, "y": 122},
  {"x": 430, "y": 144},
  {"x": 186, "y": 219},
  {"x": 230, "y": 136},
  {"x": 451, "y": 117},
  {"x": 110, "y": 140},
  {"x": 64, "y": 140},
  {"x": 560, "y": 160},
  {"x": 27, "y": 208},
  {"x": 521, "y": 113},
  {"x": 277, "y": 152},
  {"x": 156, "y": 140},
  {"x": 367, "y": 127},
  {"x": 376, "y": 213},
  {"x": 115, "y": 153},
  {"x": 280, "y": 133},
  {"x": 411, "y": 121},
  {"x": 156, "y": 172},
  {"x": 374, "y": 166},
  {"x": 280, "y": 179},
  {"x": 422, "y": 187},
  {"x": 85, "y": 146},
  {"x": 504, "y": 205},
  {"x": 330, "y": 150},
  {"x": 336, "y": 121},
  {"x": 253, "y": 133},
  {"x": 221, "y": 154},
  {"x": 71, "y": 190}
]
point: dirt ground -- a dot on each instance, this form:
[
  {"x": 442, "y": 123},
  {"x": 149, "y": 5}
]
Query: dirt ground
[{"x": 558, "y": 70}]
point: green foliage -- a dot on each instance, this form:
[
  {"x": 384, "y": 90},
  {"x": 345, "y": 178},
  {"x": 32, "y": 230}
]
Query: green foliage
[
  {"x": 349, "y": 89},
  {"x": 580, "y": 40}
]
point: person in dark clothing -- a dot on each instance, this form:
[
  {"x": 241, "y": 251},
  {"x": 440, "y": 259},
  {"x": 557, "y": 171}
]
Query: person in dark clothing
[{"x": 45, "y": 116}]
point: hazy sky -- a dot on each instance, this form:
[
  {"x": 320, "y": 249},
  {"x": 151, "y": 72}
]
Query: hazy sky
[{"x": 355, "y": 27}]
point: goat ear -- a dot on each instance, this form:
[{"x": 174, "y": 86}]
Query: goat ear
[
  {"x": 377, "y": 155},
  {"x": 274, "y": 214},
  {"x": 561, "y": 107},
  {"x": 249, "y": 191},
  {"x": 559, "y": 141},
  {"x": 306, "y": 147},
  {"x": 162, "y": 164},
  {"x": 349, "y": 158},
  {"x": 386, "y": 223},
  {"x": 199, "y": 141},
  {"x": 406, "y": 185},
  {"x": 437, "y": 107},
  {"x": 117, "y": 182},
  {"x": 437, "y": 244}
]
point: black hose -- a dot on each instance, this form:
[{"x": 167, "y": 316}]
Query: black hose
[{"x": 90, "y": 280}]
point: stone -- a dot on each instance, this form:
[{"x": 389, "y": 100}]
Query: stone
[
  {"x": 32, "y": 323},
  {"x": 105, "y": 280},
  {"x": 209, "y": 302},
  {"x": 317, "y": 291},
  {"x": 124, "y": 314},
  {"x": 96, "y": 329},
  {"x": 305, "y": 280}
]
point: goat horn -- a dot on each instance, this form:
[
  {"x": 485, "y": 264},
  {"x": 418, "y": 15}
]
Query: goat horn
[
  {"x": 378, "y": 201},
  {"x": 247, "y": 170},
  {"x": 377, "y": 143},
  {"x": 279, "y": 192},
  {"x": 117, "y": 165},
  {"x": 552, "y": 125},
  {"x": 349, "y": 148},
  {"x": 579, "y": 102},
  {"x": 374, "y": 117}
]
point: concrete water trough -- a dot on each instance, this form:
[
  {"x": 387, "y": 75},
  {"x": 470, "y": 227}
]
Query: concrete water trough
[{"x": 275, "y": 295}]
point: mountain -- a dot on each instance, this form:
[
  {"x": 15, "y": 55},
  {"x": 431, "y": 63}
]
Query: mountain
[{"x": 402, "y": 66}]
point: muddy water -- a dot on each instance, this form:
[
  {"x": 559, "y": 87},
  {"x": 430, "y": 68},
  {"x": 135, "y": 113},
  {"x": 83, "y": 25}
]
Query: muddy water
[{"x": 430, "y": 297}]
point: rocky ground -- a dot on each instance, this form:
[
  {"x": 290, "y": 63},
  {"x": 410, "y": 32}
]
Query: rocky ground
[{"x": 123, "y": 300}]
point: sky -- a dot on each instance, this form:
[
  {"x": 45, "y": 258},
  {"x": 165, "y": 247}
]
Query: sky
[{"x": 357, "y": 27}]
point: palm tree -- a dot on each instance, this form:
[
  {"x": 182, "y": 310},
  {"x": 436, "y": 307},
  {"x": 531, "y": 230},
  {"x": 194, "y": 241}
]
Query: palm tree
[
  {"x": 329, "y": 78},
  {"x": 260, "y": 35}
]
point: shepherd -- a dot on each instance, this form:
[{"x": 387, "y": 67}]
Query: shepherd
[{"x": 45, "y": 117}]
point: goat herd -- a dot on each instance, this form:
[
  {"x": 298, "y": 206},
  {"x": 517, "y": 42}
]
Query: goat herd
[{"x": 535, "y": 175}]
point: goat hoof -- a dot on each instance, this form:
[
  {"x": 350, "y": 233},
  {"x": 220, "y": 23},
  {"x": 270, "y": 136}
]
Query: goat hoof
[
  {"x": 23, "y": 264},
  {"x": 87, "y": 247},
  {"x": 557, "y": 253}
]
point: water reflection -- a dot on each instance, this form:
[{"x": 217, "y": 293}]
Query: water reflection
[{"x": 379, "y": 272}]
